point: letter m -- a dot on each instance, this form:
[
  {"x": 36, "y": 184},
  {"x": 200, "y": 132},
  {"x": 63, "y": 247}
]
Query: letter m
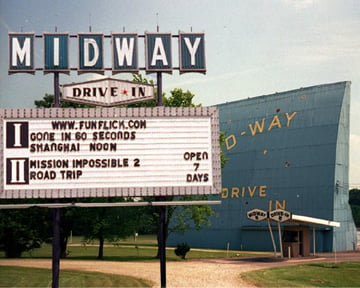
[{"x": 21, "y": 52}]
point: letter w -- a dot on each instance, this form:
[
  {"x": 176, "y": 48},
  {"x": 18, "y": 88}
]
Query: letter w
[
  {"x": 256, "y": 127},
  {"x": 125, "y": 51}
]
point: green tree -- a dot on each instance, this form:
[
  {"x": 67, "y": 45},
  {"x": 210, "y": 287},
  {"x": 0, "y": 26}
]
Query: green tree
[
  {"x": 48, "y": 100},
  {"x": 107, "y": 223},
  {"x": 179, "y": 98},
  {"x": 22, "y": 230},
  {"x": 354, "y": 201}
]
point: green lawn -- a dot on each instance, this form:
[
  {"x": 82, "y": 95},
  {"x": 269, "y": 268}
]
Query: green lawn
[
  {"x": 345, "y": 274},
  {"x": 143, "y": 249},
  {"x": 34, "y": 277},
  {"x": 131, "y": 253}
]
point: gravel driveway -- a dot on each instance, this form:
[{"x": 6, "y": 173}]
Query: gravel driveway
[{"x": 189, "y": 273}]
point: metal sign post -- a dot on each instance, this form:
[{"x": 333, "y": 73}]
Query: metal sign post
[
  {"x": 162, "y": 209},
  {"x": 56, "y": 213}
]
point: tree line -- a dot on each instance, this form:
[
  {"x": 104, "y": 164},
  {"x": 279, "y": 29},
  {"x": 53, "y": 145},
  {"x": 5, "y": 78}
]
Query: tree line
[{"x": 354, "y": 201}]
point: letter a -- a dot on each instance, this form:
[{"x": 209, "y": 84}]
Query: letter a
[{"x": 159, "y": 53}]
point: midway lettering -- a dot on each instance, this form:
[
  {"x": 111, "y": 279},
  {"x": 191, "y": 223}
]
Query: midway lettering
[{"x": 124, "y": 52}]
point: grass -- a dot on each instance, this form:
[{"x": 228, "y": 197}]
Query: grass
[
  {"x": 143, "y": 249},
  {"x": 344, "y": 274},
  {"x": 130, "y": 253},
  {"x": 36, "y": 277}
]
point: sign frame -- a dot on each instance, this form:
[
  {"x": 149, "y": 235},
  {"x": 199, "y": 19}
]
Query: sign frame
[
  {"x": 163, "y": 48},
  {"x": 22, "y": 68},
  {"x": 63, "y": 65},
  {"x": 210, "y": 113},
  {"x": 186, "y": 66},
  {"x": 97, "y": 42},
  {"x": 116, "y": 67}
]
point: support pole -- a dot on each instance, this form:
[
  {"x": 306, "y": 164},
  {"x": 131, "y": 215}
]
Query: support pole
[
  {"x": 159, "y": 89},
  {"x": 56, "y": 103},
  {"x": 280, "y": 241},
  {"x": 162, "y": 247},
  {"x": 272, "y": 237},
  {"x": 162, "y": 209},
  {"x": 56, "y": 250},
  {"x": 314, "y": 240}
]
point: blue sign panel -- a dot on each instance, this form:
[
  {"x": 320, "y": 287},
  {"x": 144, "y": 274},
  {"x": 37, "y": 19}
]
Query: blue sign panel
[
  {"x": 90, "y": 53},
  {"x": 192, "y": 52},
  {"x": 125, "y": 53},
  {"x": 158, "y": 52},
  {"x": 56, "y": 51},
  {"x": 21, "y": 53}
]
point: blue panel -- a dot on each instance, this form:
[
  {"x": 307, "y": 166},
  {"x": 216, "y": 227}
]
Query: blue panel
[
  {"x": 21, "y": 52},
  {"x": 158, "y": 52},
  {"x": 90, "y": 53},
  {"x": 287, "y": 150},
  {"x": 56, "y": 52},
  {"x": 125, "y": 53},
  {"x": 192, "y": 52}
]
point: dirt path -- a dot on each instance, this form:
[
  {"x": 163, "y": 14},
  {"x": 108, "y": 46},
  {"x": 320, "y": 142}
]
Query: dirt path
[
  {"x": 191, "y": 273},
  {"x": 178, "y": 274}
]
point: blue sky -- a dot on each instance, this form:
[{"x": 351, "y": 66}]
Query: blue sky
[{"x": 253, "y": 47}]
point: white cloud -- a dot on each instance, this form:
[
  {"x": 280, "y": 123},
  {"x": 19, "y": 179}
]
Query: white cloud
[{"x": 300, "y": 4}]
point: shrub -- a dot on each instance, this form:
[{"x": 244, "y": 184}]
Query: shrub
[{"x": 182, "y": 249}]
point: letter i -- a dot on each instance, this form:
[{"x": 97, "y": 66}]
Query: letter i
[{"x": 17, "y": 134}]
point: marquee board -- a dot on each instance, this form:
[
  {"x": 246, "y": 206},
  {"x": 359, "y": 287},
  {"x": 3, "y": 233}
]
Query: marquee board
[{"x": 109, "y": 152}]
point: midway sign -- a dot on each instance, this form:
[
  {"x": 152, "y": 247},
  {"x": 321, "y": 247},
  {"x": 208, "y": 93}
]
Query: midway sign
[
  {"x": 91, "y": 59},
  {"x": 257, "y": 215}
]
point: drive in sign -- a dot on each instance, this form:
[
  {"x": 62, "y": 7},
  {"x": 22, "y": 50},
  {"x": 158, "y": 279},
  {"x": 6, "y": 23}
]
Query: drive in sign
[
  {"x": 55, "y": 153},
  {"x": 280, "y": 215},
  {"x": 108, "y": 92}
]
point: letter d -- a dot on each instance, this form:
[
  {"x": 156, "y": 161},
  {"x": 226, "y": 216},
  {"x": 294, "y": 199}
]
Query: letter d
[
  {"x": 76, "y": 92},
  {"x": 87, "y": 61}
]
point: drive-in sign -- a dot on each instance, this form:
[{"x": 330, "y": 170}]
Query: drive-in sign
[
  {"x": 280, "y": 215},
  {"x": 108, "y": 92}
]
